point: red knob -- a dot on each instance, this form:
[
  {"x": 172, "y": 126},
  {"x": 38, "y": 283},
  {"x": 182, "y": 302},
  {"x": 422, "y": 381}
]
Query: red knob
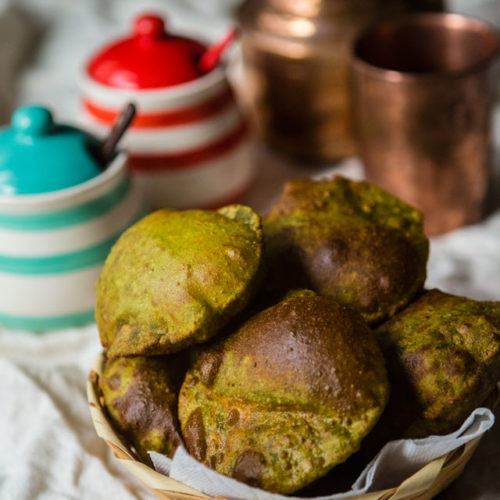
[{"x": 149, "y": 25}]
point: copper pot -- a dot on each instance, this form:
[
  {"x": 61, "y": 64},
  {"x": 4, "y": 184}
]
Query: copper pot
[
  {"x": 297, "y": 61},
  {"x": 424, "y": 94}
]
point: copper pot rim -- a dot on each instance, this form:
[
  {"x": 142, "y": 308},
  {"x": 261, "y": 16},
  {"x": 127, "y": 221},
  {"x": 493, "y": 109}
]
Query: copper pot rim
[{"x": 432, "y": 18}]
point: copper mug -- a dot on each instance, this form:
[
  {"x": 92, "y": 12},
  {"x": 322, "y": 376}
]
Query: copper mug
[{"x": 424, "y": 95}]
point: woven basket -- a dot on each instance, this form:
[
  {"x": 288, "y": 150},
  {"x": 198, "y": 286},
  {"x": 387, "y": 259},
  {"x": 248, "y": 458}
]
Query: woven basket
[{"x": 423, "y": 485}]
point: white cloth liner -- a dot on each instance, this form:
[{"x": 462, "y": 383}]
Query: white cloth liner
[
  {"x": 396, "y": 461},
  {"x": 49, "y": 449}
]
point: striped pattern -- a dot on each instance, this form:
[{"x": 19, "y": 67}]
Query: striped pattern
[
  {"x": 178, "y": 97},
  {"x": 167, "y": 118},
  {"x": 423, "y": 485},
  {"x": 192, "y": 126},
  {"x": 67, "y": 217},
  {"x": 206, "y": 185},
  {"x": 43, "y": 323},
  {"x": 51, "y": 260},
  {"x": 41, "y": 243},
  {"x": 48, "y": 295},
  {"x": 63, "y": 263},
  {"x": 193, "y": 157}
]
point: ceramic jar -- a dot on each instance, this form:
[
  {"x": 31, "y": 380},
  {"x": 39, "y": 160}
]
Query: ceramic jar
[
  {"x": 60, "y": 213},
  {"x": 188, "y": 143}
]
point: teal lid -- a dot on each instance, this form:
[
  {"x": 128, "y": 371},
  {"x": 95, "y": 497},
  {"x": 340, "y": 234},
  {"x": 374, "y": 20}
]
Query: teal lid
[{"x": 39, "y": 156}]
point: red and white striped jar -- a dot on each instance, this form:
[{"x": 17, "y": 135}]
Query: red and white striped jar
[{"x": 188, "y": 144}]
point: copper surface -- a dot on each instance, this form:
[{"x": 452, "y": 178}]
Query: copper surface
[
  {"x": 424, "y": 94},
  {"x": 298, "y": 73}
]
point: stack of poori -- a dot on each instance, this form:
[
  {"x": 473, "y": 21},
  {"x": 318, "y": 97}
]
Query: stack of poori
[{"x": 270, "y": 350}]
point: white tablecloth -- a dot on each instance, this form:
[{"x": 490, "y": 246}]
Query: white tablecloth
[{"x": 48, "y": 448}]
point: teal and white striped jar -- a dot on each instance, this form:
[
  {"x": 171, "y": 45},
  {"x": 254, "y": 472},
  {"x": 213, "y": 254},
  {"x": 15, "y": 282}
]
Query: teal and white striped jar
[
  {"x": 61, "y": 210},
  {"x": 53, "y": 246}
]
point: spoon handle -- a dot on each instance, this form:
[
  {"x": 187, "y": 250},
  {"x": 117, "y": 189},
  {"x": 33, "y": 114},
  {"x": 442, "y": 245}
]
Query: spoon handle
[
  {"x": 109, "y": 144},
  {"x": 212, "y": 55}
]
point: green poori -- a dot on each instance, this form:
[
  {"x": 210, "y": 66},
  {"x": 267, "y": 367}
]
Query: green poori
[
  {"x": 175, "y": 279},
  {"x": 348, "y": 240},
  {"x": 287, "y": 396},
  {"x": 443, "y": 357},
  {"x": 140, "y": 396}
]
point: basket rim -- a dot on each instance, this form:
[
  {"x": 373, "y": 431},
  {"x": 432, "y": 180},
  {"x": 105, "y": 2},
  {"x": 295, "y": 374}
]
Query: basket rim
[{"x": 423, "y": 484}]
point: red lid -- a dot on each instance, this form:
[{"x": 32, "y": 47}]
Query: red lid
[{"x": 150, "y": 58}]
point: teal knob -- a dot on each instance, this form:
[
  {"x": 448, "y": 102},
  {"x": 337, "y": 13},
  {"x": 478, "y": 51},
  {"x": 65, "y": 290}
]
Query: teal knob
[
  {"x": 32, "y": 120},
  {"x": 40, "y": 156}
]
